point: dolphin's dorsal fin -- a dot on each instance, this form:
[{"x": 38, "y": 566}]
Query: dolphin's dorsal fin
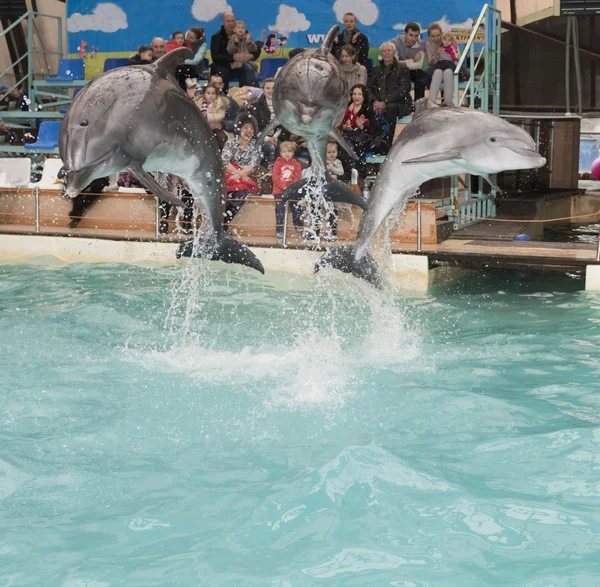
[
  {"x": 328, "y": 40},
  {"x": 424, "y": 105},
  {"x": 167, "y": 63}
]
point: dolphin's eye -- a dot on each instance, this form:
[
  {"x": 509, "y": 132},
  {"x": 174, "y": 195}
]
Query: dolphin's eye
[
  {"x": 84, "y": 123},
  {"x": 493, "y": 139}
]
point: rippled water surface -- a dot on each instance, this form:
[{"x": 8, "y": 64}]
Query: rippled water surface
[{"x": 234, "y": 429}]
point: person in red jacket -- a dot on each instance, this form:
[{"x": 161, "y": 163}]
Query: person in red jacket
[
  {"x": 176, "y": 41},
  {"x": 286, "y": 171}
]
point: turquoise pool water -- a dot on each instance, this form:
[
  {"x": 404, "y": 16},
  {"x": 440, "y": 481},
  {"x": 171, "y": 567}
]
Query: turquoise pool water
[{"x": 292, "y": 431}]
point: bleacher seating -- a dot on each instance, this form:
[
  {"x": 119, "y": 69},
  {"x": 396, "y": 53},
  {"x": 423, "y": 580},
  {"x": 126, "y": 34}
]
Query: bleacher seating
[
  {"x": 47, "y": 136},
  {"x": 113, "y": 63},
  {"x": 68, "y": 70},
  {"x": 269, "y": 67}
]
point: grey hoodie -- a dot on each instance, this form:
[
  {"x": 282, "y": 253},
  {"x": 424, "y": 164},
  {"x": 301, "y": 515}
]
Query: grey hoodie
[{"x": 406, "y": 54}]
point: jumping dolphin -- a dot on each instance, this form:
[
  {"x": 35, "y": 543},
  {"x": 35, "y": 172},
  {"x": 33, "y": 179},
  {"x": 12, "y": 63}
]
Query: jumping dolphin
[
  {"x": 437, "y": 143},
  {"x": 138, "y": 118},
  {"x": 309, "y": 99}
]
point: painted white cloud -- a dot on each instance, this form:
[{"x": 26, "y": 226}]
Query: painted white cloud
[
  {"x": 106, "y": 17},
  {"x": 206, "y": 10},
  {"x": 443, "y": 22},
  {"x": 366, "y": 11},
  {"x": 290, "y": 20}
]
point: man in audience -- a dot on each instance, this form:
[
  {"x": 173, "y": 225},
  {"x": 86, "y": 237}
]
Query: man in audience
[
  {"x": 389, "y": 87},
  {"x": 232, "y": 111},
  {"x": 159, "y": 48},
  {"x": 262, "y": 110},
  {"x": 222, "y": 59},
  {"x": 412, "y": 53},
  {"x": 352, "y": 36}
]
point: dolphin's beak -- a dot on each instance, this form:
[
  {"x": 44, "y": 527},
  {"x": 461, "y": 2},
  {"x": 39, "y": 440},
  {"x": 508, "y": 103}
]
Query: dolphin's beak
[
  {"x": 306, "y": 119},
  {"x": 531, "y": 154}
]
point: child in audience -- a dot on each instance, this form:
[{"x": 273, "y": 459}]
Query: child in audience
[
  {"x": 448, "y": 45},
  {"x": 241, "y": 42},
  {"x": 286, "y": 171},
  {"x": 143, "y": 57},
  {"x": 214, "y": 108},
  {"x": 334, "y": 165},
  {"x": 176, "y": 41}
]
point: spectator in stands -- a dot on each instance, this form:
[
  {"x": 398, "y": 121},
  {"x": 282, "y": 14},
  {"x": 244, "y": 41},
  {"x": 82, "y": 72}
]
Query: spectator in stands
[
  {"x": 143, "y": 57},
  {"x": 241, "y": 157},
  {"x": 441, "y": 64},
  {"x": 193, "y": 69},
  {"x": 176, "y": 41},
  {"x": 360, "y": 128},
  {"x": 214, "y": 107},
  {"x": 159, "y": 48},
  {"x": 286, "y": 171},
  {"x": 412, "y": 53},
  {"x": 222, "y": 59},
  {"x": 241, "y": 43},
  {"x": 262, "y": 110},
  {"x": 352, "y": 36},
  {"x": 389, "y": 88},
  {"x": 353, "y": 72},
  {"x": 233, "y": 109}
]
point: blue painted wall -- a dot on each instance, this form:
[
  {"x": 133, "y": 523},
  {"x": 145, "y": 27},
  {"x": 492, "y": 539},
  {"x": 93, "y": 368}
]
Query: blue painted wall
[{"x": 123, "y": 25}]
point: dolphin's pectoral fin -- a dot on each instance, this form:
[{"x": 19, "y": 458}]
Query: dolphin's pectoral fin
[
  {"x": 492, "y": 183},
  {"x": 151, "y": 184},
  {"x": 167, "y": 64},
  {"x": 334, "y": 190},
  {"x": 433, "y": 157},
  {"x": 226, "y": 249},
  {"x": 344, "y": 259},
  {"x": 328, "y": 40},
  {"x": 340, "y": 192},
  {"x": 269, "y": 128},
  {"x": 336, "y": 135}
]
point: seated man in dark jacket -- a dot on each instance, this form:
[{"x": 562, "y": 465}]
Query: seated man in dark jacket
[
  {"x": 352, "y": 36},
  {"x": 389, "y": 87},
  {"x": 263, "y": 111},
  {"x": 222, "y": 59}
]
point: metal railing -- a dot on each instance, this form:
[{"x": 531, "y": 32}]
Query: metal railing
[{"x": 481, "y": 91}]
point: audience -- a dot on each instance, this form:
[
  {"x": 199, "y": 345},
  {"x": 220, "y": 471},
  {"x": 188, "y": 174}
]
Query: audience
[
  {"x": 214, "y": 107},
  {"x": 143, "y": 57},
  {"x": 193, "y": 69},
  {"x": 354, "y": 73},
  {"x": 262, "y": 110},
  {"x": 286, "y": 171},
  {"x": 241, "y": 157},
  {"x": 412, "y": 53},
  {"x": 232, "y": 110},
  {"x": 352, "y": 36},
  {"x": 176, "y": 41},
  {"x": 389, "y": 88},
  {"x": 222, "y": 59},
  {"x": 441, "y": 63},
  {"x": 360, "y": 128},
  {"x": 159, "y": 48},
  {"x": 241, "y": 43}
]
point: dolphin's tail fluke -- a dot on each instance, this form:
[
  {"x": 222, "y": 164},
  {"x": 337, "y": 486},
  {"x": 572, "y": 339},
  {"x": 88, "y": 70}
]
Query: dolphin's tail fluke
[
  {"x": 227, "y": 250},
  {"x": 344, "y": 259},
  {"x": 328, "y": 40},
  {"x": 334, "y": 190}
]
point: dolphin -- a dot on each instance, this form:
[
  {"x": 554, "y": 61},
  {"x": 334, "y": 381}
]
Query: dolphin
[
  {"x": 438, "y": 142},
  {"x": 138, "y": 118},
  {"x": 310, "y": 99}
]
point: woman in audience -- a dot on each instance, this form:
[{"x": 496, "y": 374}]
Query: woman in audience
[
  {"x": 194, "y": 69},
  {"x": 353, "y": 72},
  {"x": 359, "y": 126},
  {"x": 241, "y": 157},
  {"x": 214, "y": 107},
  {"x": 441, "y": 64}
]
